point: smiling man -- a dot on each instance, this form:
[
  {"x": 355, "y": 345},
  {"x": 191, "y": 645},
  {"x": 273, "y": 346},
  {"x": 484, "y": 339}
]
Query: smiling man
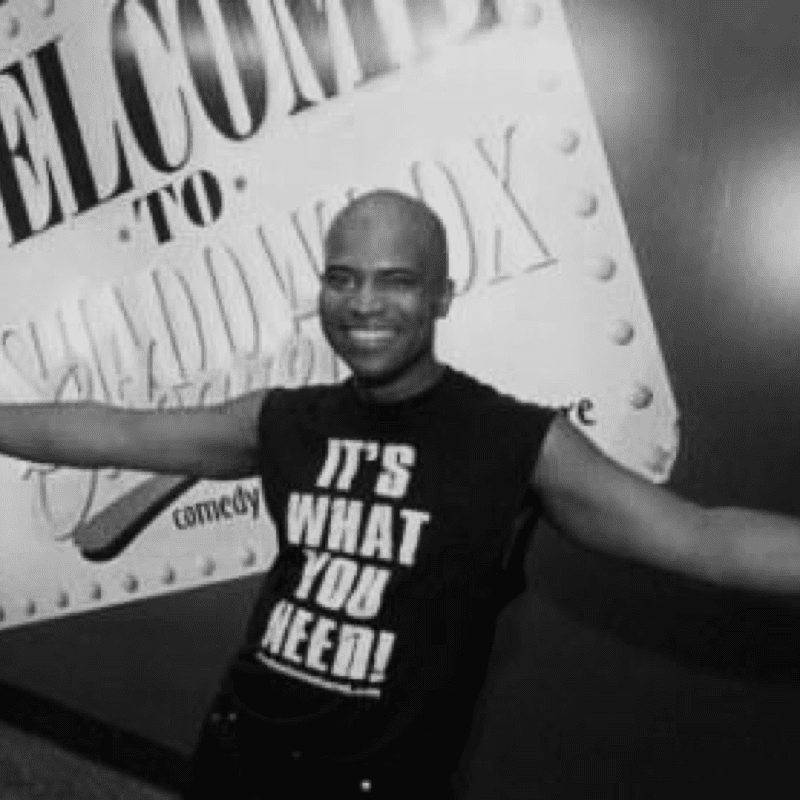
[
  {"x": 384, "y": 286},
  {"x": 394, "y": 495}
]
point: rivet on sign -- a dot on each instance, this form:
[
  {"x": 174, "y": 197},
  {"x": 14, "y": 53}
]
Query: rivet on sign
[
  {"x": 587, "y": 205},
  {"x": 660, "y": 459},
  {"x": 62, "y": 600},
  {"x": 642, "y": 397},
  {"x": 95, "y": 591},
  {"x": 168, "y": 575},
  {"x": 2, "y": 614},
  {"x": 46, "y": 6},
  {"x": 568, "y": 142},
  {"x": 366, "y": 786},
  {"x": 622, "y": 333},
  {"x": 208, "y": 567},
  {"x": 124, "y": 234},
  {"x": 604, "y": 268},
  {"x": 240, "y": 184},
  {"x": 30, "y": 608},
  {"x": 11, "y": 27},
  {"x": 130, "y": 583},
  {"x": 249, "y": 557}
]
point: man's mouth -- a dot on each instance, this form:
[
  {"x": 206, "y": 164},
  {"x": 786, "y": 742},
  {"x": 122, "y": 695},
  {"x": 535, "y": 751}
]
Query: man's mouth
[{"x": 369, "y": 337}]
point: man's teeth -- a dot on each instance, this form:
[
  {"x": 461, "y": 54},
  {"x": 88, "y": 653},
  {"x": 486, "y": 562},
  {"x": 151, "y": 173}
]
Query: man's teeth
[{"x": 370, "y": 336}]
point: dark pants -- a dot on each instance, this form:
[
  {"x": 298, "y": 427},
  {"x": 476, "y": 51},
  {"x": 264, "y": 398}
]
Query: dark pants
[{"x": 239, "y": 758}]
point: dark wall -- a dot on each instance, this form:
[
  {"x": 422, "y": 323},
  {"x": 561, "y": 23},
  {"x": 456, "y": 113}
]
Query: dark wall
[
  {"x": 640, "y": 683},
  {"x": 605, "y": 673}
]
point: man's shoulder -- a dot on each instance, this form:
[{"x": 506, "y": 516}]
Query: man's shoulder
[
  {"x": 307, "y": 389},
  {"x": 300, "y": 397},
  {"x": 469, "y": 387},
  {"x": 503, "y": 414},
  {"x": 291, "y": 408}
]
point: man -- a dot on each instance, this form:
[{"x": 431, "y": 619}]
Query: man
[{"x": 394, "y": 495}]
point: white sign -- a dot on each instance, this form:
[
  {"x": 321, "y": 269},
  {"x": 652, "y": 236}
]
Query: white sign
[{"x": 167, "y": 172}]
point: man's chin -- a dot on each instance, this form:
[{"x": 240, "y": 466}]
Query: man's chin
[
  {"x": 374, "y": 377},
  {"x": 377, "y": 376}
]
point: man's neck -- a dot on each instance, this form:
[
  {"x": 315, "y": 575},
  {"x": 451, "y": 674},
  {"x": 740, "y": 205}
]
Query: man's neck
[{"x": 404, "y": 387}]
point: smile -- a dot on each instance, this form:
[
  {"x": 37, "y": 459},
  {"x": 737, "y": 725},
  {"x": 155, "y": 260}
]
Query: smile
[{"x": 369, "y": 336}]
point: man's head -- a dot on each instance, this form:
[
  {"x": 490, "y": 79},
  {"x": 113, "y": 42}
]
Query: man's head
[{"x": 384, "y": 286}]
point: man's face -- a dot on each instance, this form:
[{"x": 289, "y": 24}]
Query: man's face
[{"x": 378, "y": 302}]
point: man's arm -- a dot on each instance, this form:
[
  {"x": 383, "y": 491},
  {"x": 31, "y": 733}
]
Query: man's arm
[
  {"x": 605, "y": 507},
  {"x": 216, "y": 442}
]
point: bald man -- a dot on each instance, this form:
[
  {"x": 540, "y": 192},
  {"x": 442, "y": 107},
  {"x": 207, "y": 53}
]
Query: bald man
[{"x": 394, "y": 495}]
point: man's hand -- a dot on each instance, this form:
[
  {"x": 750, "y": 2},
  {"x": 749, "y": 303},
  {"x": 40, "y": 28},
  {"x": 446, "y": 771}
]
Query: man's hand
[{"x": 606, "y": 507}]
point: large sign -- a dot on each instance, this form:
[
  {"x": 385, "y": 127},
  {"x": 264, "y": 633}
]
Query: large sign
[{"x": 167, "y": 172}]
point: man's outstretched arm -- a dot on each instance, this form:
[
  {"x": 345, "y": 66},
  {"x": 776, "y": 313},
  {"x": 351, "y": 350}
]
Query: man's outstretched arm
[
  {"x": 216, "y": 442},
  {"x": 605, "y": 507}
]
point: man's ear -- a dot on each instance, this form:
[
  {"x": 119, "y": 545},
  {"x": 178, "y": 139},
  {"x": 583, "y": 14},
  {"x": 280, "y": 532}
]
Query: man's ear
[{"x": 445, "y": 299}]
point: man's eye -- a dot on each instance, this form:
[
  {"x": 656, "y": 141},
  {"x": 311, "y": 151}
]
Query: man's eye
[
  {"x": 400, "y": 280},
  {"x": 337, "y": 280}
]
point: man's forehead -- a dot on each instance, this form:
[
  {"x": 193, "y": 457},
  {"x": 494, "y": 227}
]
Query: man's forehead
[
  {"x": 376, "y": 251},
  {"x": 375, "y": 233},
  {"x": 391, "y": 229}
]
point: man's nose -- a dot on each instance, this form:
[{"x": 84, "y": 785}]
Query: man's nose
[{"x": 366, "y": 299}]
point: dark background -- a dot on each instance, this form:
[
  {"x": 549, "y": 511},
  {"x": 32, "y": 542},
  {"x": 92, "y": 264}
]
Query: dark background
[{"x": 609, "y": 679}]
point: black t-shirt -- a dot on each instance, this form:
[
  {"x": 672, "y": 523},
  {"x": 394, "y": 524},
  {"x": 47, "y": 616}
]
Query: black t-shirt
[{"x": 373, "y": 629}]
